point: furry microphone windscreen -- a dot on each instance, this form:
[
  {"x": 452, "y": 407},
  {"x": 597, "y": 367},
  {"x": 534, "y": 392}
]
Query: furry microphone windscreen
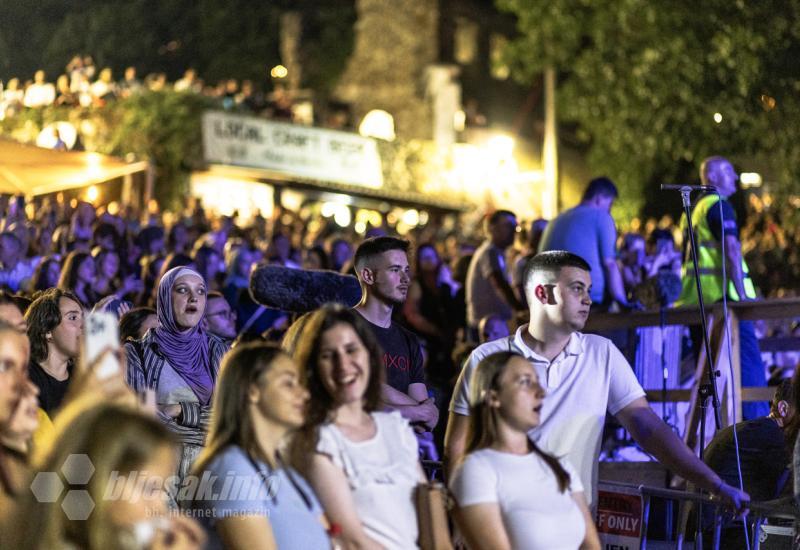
[{"x": 300, "y": 290}]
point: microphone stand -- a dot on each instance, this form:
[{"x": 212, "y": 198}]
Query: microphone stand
[
  {"x": 664, "y": 376},
  {"x": 707, "y": 390}
]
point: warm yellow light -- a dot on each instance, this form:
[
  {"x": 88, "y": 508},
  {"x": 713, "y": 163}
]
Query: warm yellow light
[
  {"x": 92, "y": 193},
  {"x": 460, "y": 120},
  {"x": 279, "y": 71},
  {"x": 410, "y": 218},
  {"x": 342, "y": 216},
  {"x": 501, "y": 146},
  {"x": 378, "y": 124},
  {"x": 94, "y": 163},
  {"x": 361, "y": 228},
  {"x": 328, "y": 209},
  {"x": 750, "y": 179},
  {"x": 717, "y": 117}
]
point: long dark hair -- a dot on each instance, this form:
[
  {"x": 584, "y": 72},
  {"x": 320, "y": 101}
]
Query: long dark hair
[
  {"x": 69, "y": 273},
  {"x": 304, "y": 345},
  {"x": 131, "y": 323},
  {"x": 38, "y": 281},
  {"x": 483, "y": 418},
  {"x": 43, "y": 316}
]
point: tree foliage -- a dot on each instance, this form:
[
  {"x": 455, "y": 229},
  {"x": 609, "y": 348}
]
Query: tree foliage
[
  {"x": 221, "y": 39},
  {"x": 162, "y": 126},
  {"x": 643, "y": 79}
]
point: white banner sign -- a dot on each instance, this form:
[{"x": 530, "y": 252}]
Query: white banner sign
[{"x": 300, "y": 151}]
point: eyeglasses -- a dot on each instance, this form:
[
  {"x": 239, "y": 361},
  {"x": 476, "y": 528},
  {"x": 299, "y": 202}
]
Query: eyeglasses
[{"x": 229, "y": 314}]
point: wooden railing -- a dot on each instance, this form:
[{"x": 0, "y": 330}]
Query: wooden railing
[
  {"x": 745, "y": 311},
  {"x": 728, "y": 384}
]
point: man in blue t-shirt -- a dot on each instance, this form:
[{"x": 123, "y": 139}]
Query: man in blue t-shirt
[
  {"x": 381, "y": 264},
  {"x": 588, "y": 231}
]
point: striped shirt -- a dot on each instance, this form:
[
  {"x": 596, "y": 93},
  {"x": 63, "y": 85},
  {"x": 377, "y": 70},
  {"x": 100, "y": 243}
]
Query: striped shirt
[{"x": 145, "y": 364}]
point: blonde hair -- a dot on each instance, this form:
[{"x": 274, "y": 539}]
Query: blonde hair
[{"x": 115, "y": 438}]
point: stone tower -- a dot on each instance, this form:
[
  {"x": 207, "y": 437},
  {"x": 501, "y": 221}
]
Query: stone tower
[{"x": 395, "y": 42}]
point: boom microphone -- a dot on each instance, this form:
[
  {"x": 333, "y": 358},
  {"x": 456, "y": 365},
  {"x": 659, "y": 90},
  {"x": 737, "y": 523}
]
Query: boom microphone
[
  {"x": 302, "y": 290},
  {"x": 679, "y": 187}
]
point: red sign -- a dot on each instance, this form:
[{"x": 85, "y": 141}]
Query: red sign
[{"x": 619, "y": 514}]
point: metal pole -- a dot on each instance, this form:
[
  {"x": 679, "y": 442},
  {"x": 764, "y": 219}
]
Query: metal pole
[{"x": 550, "y": 146}]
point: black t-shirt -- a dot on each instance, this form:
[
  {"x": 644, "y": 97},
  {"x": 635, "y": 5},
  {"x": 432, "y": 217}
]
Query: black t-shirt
[
  {"x": 715, "y": 223},
  {"x": 402, "y": 356},
  {"x": 764, "y": 455},
  {"x": 51, "y": 391}
]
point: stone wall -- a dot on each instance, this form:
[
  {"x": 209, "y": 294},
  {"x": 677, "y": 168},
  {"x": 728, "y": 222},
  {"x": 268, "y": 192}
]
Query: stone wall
[{"x": 395, "y": 41}]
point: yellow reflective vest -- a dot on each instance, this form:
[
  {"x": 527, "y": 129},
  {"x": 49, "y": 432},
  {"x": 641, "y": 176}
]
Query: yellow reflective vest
[{"x": 709, "y": 261}]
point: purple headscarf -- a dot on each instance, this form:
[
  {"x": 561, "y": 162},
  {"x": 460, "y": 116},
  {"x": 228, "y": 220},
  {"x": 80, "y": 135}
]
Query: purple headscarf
[{"x": 186, "y": 350}]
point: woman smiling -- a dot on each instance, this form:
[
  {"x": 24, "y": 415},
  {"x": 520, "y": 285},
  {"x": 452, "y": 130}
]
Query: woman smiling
[
  {"x": 179, "y": 361},
  {"x": 363, "y": 464}
]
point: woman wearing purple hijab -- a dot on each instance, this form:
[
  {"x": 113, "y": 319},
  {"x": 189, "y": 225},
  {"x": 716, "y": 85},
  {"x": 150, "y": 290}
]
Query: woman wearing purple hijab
[{"x": 179, "y": 361}]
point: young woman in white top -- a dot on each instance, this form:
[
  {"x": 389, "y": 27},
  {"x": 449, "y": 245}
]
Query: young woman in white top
[
  {"x": 509, "y": 493},
  {"x": 362, "y": 464}
]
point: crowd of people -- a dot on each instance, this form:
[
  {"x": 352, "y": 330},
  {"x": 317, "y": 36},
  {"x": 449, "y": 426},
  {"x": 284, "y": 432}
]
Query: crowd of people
[
  {"x": 83, "y": 85},
  {"x": 308, "y": 427}
]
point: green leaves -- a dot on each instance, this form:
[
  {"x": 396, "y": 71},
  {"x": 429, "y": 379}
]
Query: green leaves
[{"x": 643, "y": 80}]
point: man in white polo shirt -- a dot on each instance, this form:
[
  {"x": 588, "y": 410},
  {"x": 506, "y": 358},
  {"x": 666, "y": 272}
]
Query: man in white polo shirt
[{"x": 584, "y": 376}]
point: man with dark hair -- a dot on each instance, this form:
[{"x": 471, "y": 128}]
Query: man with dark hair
[
  {"x": 382, "y": 267},
  {"x": 219, "y": 319},
  {"x": 584, "y": 375},
  {"x": 588, "y": 230},
  {"x": 765, "y": 454},
  {"x": 55, "y": 326},
  {"x": 488, "y": 288},
  {"x": 764, "y": 448}
]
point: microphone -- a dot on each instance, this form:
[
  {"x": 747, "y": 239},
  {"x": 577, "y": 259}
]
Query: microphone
[
  {"x": 679, "y": 187},
  {"x": 301, "y": 290}
]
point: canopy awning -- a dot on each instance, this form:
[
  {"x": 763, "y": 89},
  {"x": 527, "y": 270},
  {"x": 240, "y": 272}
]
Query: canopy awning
[
  {"x": 31, "y": 170},
  {"x": 401, "y": 198}
]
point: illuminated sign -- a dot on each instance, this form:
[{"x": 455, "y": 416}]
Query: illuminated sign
[{"x": 290, "y": 149}]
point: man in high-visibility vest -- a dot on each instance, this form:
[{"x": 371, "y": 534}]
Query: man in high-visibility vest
[{"x": 714, "y": 219}]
